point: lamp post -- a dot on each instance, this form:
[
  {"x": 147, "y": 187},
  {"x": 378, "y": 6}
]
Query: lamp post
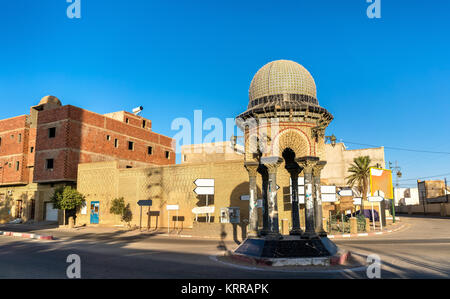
[{"x": 398, "y": 175}]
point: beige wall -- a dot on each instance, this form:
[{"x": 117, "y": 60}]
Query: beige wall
[
  {"x": 163, "y": 185},
  {"x": 104, "y": 181},
  {"x": 442, "y": 209},
  {"x": 339, "y": 160},
  {"x": 174, "y": 184},
  {"x": 211, "y": 152},
  {"x": 11, "y": 194}
]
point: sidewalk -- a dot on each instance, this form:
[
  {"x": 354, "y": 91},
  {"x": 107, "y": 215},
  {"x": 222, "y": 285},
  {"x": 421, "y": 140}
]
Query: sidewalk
[
  {"x": 386, "y": 230},
  {"x": 51, "y": 231}
]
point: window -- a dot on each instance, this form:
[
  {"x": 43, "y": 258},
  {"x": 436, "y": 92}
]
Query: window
[
  {"x": 128, "y": 166},
  {"x": 127, "y": 120},
  {"x": 143, "y": 123},
  {"x": 49, "y": 164},
  {"x": 108, "y": 137},
  {"x": 0, "y": 141},
  {"x": 167, "y": 155},
  {"x": 20, "y": 138},
  {"x": 51, "y": 132},
  {"x": 150, "y": 150},
  {"x": 184, "y": 158},
  {"x": 17, "y": 166},
  {"x": 116, "y": 143},
  {"x": 31, "y": 149},
  {"x": 130, "y": 145}
]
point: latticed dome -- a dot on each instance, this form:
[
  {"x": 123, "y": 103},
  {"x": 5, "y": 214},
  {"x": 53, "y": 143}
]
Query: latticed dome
[
  {"x": 284, "y": 89},
  {"x": 282, "y": 77}
]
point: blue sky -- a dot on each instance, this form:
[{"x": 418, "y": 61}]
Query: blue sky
[{"x": 385, "y": 80}]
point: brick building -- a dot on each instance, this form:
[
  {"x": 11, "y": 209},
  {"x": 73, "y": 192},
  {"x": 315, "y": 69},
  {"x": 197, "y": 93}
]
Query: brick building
[{"x": 42, "y": 150}]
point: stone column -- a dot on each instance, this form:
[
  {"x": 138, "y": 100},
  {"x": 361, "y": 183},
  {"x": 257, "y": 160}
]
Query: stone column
[
  {"x": 252, "y": 168},
  {"x": 308, "y": 164},
  {"x": 294, "y": 170},
  {"x": 318, "y": 202},
  {"x": 272, "y": 164},
  {"x": 265, "y": 209}
]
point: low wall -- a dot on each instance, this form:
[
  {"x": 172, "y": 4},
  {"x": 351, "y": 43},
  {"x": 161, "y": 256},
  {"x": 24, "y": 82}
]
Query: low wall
[{"x": 441, "y": 209}]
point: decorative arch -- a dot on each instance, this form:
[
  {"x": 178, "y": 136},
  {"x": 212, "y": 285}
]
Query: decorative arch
[{"x": 294, "y": 139}]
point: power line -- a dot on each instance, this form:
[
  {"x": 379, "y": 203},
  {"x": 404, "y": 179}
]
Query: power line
[
  {"x": 425, "y": 177},
  {"x": 398, "y": 148}
]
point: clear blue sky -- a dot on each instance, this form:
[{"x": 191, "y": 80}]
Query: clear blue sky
[{"x": 386, "y": 81}]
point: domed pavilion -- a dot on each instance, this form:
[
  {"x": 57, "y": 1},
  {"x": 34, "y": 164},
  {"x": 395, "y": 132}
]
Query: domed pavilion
[{"x": 285, "y": 125}]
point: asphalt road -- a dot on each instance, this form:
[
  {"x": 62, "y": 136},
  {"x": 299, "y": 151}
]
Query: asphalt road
[{"x": 420, "y": 250}]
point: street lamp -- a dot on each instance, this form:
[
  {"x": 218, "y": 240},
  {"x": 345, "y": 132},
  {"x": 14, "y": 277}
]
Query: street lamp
[
  {"x": 332, "y": 140},
  {"x": 399, "y": 175}
]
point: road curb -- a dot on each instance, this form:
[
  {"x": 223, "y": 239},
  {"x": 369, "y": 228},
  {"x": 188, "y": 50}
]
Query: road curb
[
  {"x": 346, "y": 236},
  {"x": 339, "y": 259},
  {"x": 25, "y": 235}
]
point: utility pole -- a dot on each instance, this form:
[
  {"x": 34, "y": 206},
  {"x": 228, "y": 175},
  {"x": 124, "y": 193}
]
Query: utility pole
[
  {"x": 446, "y": 191},
  {"x": 398, "y": 174}
]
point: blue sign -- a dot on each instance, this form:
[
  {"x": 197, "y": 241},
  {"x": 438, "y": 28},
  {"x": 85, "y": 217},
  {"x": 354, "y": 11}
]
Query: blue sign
[{"x": 145, "y": 203}]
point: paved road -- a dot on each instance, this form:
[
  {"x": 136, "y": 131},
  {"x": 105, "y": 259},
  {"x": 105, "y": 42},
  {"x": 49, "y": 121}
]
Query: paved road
[{"x": 420, "y": 250}]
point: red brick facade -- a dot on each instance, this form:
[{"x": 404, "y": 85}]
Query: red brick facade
[
  {"x": 47, "y": 145},
  {"x": 16, "y": 137}
]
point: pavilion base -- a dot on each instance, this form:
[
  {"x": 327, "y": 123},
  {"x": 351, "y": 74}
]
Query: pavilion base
[{"x": 290, "y": 251}]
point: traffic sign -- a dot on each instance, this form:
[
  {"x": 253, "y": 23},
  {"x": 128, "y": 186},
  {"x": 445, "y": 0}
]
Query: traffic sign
[
  {"x": 346, "y": 192},
  {"x": 204, "y": 190},
  {"x": 204, "y": 182},
  {"x": 328, "y": 197},
  {"x": 375, "y": 198},
  {"x": 145, "y": 203},
  {"x": 301, "y": 199},
  {"x": 203, "y": 210},
  {"x": 245, "y": 197},
  {"x": 172, "y": 207},
  {"x": 204, "y": 186},
  {"x": 328, "y": 189}
]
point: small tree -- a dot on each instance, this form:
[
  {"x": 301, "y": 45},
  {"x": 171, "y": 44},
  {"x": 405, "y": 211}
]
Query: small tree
[
  {"x": 118, "y": 207},
  {"x": 67, "y": 198}
]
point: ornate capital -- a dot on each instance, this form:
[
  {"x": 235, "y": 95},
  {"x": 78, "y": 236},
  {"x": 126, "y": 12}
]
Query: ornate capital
[
  {"x": 307, "y": 163},
  {"x": 252, "y": 168},
  {"x": 318, "y": 168},
  {"x": 271, "y": 163}
]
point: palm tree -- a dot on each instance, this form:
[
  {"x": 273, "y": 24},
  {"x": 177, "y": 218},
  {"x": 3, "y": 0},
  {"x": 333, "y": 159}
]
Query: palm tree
[{"x": 360, "y": 171}]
